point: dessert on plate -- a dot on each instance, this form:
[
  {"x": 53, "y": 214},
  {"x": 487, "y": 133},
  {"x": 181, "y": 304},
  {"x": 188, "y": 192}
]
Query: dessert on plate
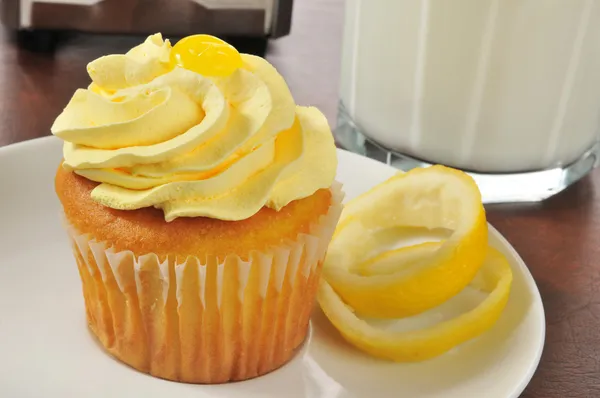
[{"x": 200, "y": 201}]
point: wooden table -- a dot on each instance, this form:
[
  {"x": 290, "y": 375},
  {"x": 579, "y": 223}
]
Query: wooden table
[{"x": 559, "y": 239}]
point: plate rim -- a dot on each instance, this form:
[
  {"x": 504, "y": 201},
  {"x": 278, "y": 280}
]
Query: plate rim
[
  {"x": 531, "y": 283},
  {"x": 533, "y": 288}
]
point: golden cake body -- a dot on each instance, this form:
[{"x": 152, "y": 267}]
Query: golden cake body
[{"x": 199, "y": 248}]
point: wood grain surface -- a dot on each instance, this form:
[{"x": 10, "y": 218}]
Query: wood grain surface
[{"x": 558, "y": 239}]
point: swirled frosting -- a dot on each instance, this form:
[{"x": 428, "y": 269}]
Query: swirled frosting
[{"x": 192, "y": 145}]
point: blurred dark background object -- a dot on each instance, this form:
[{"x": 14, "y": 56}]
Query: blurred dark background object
[
  {"x": 41, "y": 25},
  {"x": 41, "y": 68}
]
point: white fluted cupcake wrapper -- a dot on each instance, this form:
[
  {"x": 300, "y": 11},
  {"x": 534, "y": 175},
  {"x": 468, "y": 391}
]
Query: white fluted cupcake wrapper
[{"x": 203, "y": 320}]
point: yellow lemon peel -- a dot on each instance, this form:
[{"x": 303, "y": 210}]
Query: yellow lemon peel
[
  {"x": 495, "y": 277},
  {"x": 436, "y": 197},
  {"x": 364, "y": 275}
]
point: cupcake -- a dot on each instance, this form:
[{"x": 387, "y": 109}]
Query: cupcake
[{"x": 199, "y": 201}]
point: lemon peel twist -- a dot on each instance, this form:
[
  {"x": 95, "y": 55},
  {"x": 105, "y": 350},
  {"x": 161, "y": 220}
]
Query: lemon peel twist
[{"x": 363, "y": 277}]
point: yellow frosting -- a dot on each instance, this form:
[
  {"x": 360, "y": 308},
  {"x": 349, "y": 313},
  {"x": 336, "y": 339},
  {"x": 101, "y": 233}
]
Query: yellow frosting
[{"x": 192, "y": 145}]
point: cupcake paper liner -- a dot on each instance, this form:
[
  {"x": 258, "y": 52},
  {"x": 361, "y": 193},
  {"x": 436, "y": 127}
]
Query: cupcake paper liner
[{"x": 203, "y": 320}]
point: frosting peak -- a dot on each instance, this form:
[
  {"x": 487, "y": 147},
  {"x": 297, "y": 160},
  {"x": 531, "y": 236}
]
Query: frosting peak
[{"x": 155, "y": 134}]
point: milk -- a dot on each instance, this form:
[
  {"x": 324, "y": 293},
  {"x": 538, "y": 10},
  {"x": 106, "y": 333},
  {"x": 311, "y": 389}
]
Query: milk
[{"x": 483, "y": 85}]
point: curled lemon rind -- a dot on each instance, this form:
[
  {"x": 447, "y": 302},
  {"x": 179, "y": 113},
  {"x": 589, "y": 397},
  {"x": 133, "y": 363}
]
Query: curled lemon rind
[
  {"x": 432, "y": 198},
  {"x": 495, "y": 277}
]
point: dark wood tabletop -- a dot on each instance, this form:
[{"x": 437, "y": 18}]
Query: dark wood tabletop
[{"x": 558, "y": 239}]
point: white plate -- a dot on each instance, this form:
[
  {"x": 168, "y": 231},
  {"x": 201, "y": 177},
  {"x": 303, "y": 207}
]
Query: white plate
[{"x": 46, "y": 349}]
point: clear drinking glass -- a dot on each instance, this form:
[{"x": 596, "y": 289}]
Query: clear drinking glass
[{"x": 508, "y": 90}]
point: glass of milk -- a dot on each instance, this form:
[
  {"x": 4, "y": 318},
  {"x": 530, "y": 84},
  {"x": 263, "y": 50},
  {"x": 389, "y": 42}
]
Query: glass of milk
[{"x": 508, "y": 90}]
